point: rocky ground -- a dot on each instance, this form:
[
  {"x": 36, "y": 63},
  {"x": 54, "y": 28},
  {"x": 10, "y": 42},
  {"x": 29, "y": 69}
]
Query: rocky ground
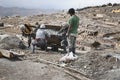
[{"x": 102, "y": 62}]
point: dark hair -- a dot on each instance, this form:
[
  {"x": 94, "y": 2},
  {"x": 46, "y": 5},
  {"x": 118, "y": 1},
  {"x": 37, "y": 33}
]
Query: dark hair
[
  {"x": 71, "y": 11},
  {"x": 25, "y": 24}
]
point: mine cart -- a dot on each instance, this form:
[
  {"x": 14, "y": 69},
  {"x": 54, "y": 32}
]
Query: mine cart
[{"x": 55, "y": 38}]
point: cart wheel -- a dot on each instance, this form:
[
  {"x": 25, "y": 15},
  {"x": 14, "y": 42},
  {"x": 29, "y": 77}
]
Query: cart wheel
[{"x": 54, "y": 47}]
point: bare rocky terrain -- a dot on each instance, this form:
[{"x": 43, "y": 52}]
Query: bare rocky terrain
[{"x": 96, "y": 62}]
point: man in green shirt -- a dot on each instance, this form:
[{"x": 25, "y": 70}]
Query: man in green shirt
[{"x": 72, "y": 30}]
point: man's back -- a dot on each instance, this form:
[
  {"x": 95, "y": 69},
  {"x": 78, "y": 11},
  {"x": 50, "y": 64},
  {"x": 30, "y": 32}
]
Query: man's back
[{"x": 40, "y": 34}]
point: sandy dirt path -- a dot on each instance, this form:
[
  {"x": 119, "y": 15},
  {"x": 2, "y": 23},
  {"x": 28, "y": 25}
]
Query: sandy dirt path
[{"x": 28, "y": 70}]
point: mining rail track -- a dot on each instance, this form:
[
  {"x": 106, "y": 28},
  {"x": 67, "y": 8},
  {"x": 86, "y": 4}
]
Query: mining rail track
[{"x": 70, "y": 71}]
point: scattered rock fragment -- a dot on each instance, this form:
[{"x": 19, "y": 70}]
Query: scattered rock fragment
[
  {"x": 95, "y": 44},
  {"x": 93, "y": 33},
  {"x": 1, "y": 24}
]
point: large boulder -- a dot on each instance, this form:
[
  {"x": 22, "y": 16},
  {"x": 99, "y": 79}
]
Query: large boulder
[{"x": 9, "y": 41}]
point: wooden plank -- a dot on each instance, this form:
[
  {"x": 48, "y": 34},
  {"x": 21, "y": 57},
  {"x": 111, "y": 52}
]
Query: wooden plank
[
  {"x": 111, "y": 24},
  {"x": 77, "y": 75},
  {"x": 9, "y": 54},
  {"x": 4, "y": 27},
  {"x": 1, "y": 55},
  {"x": 72, "y": 72},
  {"x": 6, "y": 53}
]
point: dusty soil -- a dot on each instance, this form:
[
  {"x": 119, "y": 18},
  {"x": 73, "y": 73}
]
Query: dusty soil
[
  {"x": 27, "y": 70},
  {"x": 101, "y": 63}
]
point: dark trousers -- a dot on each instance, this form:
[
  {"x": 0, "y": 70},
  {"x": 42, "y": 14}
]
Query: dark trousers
[
  {"x": 64, "y": 43},
  {"x": 29, "y": 40},
  {"x": 29, "y": 36},
  {"x": 71, "y": 43},
  {"x": 42, "y": 43}
]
